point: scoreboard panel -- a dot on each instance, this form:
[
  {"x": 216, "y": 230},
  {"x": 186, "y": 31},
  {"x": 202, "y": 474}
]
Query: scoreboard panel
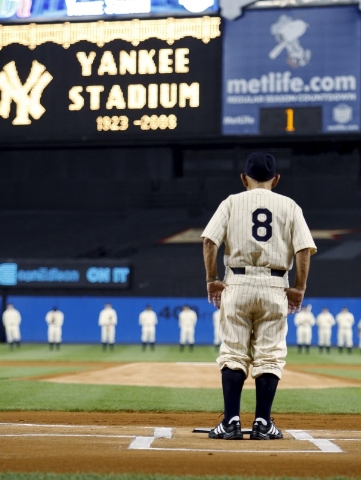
[
  {"x": 301, "y": 120},
  {"x": 270, "y": 72},
  {"x": 292, "y": 71},
  {"x": 110, "y": 81}
]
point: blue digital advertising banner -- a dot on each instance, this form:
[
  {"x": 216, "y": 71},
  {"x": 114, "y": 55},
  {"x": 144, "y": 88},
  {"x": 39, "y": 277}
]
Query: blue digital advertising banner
[
  {"x": 65, "y": 274},
  {"x": 81, "y": 316},
  {"x": 292, "y": 71},
  {"x": 16, "y": 11}
]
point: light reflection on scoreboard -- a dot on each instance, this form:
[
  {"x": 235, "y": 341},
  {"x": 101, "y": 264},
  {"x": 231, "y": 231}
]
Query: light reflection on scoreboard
[{"x": 55, "y": 10}]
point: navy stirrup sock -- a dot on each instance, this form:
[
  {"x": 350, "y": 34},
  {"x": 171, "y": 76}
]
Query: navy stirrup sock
[
  {"x": 266, "y": 386},
  {"x": 232, "y": 384}
]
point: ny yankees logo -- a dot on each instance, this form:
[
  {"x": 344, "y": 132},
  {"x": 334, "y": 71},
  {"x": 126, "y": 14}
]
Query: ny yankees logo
[{"x": 27, "y": 97}]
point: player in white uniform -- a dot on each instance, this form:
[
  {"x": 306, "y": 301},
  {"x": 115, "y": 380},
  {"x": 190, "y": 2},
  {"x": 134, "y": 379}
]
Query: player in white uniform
[
  {"x": 107, "y": 321},
  {"x": 345, "y": 321},
  {"x": 187, "y": 322},
  {"x": 55, "y": 320},
  {"x": 262, "y": 232},
  {"x": 325, "y": 321},
  {"x": 148, "y": 320},
  {"x": 216, "y": 322},
  {"x": 304, "y": 321},
  {"x": 12, "y": 319},
  {"x": 359, "y": 334}
]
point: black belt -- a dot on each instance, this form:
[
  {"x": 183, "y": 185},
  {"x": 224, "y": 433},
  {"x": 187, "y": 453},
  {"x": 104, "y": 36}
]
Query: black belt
[{"x": 242, "y": 271}]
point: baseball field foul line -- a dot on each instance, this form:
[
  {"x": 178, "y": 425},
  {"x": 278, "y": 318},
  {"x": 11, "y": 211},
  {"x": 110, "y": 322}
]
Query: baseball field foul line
[
  {"x": 48, "y": 425},
  {"x": 144, "y": 442},
  {"x": 90, "y": 435},
  {"x": 323, "y": 444}
]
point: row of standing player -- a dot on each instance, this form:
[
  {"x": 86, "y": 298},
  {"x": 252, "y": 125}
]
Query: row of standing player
[
  {"x": 305, "y": 320},
  {"x": 108, "y": 320},
  {"x": 148, "y": 320},
  {"x": 11, "y": 319},
  {"x": 264, "y": 233}
]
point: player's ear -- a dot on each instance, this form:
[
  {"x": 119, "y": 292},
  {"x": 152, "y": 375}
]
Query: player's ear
[
  {"x": 275, "y": 180},
  {"x": 244, "y": 179}
]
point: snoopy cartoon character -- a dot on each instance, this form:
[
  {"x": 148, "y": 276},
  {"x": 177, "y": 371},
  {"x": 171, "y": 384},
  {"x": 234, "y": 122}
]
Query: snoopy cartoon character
[{"x": 287, "y": 33}]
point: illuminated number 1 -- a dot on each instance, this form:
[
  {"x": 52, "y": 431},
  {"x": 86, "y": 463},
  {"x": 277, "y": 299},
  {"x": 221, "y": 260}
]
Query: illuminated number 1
[{"x": 290, "y": 127}]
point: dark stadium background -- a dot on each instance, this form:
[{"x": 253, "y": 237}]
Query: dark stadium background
[{"x": 125, "y": 200}]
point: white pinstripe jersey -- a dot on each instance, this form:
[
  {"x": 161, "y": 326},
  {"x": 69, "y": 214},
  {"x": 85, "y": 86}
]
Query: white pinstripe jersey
[
  {"x": 304, "y": 318},
  {"x": 187, "y": 319},
  {"x": 259, "y": 228},
  {"x": 345, "y": 319},
  {"x": 148, "y": 318},
  {"x": 325, "y": 320}
]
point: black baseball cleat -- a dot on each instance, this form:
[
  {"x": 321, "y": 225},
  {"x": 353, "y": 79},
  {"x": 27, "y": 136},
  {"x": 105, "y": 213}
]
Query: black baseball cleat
[
  {"x": 230, "y": 431},
  {"x": 265, "y": 432}
]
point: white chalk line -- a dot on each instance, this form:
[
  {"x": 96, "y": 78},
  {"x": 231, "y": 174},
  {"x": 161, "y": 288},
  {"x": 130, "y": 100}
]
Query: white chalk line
[
  {"x": 338, "y": 431},
  {"x": 89, "y": 435},
  {"x": 230, "y": 451},
  {"x": 324, "y": 445},
  {"x": 145, "y": 442},
  {"x": 141, "y": 443},
  {"x": 48, "y": 425}
]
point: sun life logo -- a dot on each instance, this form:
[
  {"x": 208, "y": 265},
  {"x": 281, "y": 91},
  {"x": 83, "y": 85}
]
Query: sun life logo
[{"x": 342, "y": 113}]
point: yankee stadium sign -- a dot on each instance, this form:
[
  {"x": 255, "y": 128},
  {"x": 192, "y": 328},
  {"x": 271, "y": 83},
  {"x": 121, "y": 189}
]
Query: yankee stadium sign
[{"x": 138, "y": 79}]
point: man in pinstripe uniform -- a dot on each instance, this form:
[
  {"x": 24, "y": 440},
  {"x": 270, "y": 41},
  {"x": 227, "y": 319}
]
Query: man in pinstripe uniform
[{"x": 262, "y": 232}]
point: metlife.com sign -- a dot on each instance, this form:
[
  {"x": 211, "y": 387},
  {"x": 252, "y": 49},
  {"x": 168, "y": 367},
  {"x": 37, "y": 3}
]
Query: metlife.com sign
[{"x": 284, "y": 63}]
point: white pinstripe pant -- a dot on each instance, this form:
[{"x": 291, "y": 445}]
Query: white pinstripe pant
[
  {"x": 304, "y": 335},
  {"x": 148, "y": 334},
  {"x": 108, "y": 334},
  {"x": 344, "y": 337},
  {"x": 13, "y": 333},
  {"x": 253, "y": 325},
  {"x": 324, "y": 336},
  {"x": 54, "y": 334}
]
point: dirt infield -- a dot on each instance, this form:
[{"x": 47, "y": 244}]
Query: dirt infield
[
  {"x": 188, "y": 375},
  {"x": 164, "y": 443},
  {"x": 314, "y": 445}
]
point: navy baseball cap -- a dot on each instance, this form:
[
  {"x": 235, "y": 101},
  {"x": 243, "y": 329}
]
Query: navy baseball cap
[{"x": 260, "y": 166}]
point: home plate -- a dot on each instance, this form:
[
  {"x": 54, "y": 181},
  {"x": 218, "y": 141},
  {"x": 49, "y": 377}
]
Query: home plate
[{"x": 207, "y": 430}]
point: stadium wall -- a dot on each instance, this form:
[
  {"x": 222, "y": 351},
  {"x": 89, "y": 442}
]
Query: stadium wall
[{"x": 81, "y": 317}]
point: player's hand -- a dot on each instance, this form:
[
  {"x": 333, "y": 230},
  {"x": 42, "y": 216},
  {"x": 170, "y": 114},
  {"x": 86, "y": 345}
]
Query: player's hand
[
  {"x": 295, "y": 298},
  {"x": 215, "y": 290}
]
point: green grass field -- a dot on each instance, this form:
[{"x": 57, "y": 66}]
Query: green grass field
[
  {"x": 21, "y": 392},
  {"x": 21, "y": 389},
  {"x": 35, "y": 352}
]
